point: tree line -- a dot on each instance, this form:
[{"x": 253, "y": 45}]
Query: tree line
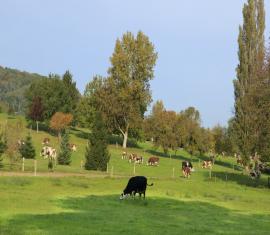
[{"x": 121, "y": 99}]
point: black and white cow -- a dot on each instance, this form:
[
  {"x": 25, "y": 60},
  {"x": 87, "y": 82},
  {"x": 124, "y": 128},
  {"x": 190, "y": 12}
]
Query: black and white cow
[
  {"x": 186, "y": 168},
  {"x": 136, "y": 184}
]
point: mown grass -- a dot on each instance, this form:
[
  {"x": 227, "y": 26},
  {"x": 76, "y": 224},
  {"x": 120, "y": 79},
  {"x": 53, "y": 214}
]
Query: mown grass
[
  {"x": 92, "y": 206},
  {"x": 228, "y": 203}
]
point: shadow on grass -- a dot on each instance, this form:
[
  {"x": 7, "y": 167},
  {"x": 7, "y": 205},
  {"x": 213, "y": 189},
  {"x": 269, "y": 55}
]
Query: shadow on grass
[
  {"x": 80, "y": 133},
  {"x": 240, "y": 179},
  {"x": 163, "y": 155},
  {"x": 109, "y": 215}
]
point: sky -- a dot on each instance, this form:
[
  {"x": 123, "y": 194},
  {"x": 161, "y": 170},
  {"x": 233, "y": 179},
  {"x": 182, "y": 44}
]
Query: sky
[{"x": 196, "y": 43}]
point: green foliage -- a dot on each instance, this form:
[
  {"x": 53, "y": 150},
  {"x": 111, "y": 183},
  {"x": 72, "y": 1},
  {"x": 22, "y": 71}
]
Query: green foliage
[
  {"x": 56, "y": 95},
  {"x": 64, "y": 157},
  {"x": 13, "y": 84},
  {"x": 123, "y": 97},
  {"x": 3, "y": 146},
  {"x": 27, "y": 149},
  {"x": 97, "y": 155},
  {"x": 249, "y": 77},
  {"x": 172, "y": 131},
  {"x": 84, "y": 113}
]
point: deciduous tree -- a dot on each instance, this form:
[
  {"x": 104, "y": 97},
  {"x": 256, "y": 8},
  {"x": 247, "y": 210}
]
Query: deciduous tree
[
  {"x": 60, "y": 122},
  {"x": 123, "y": 97},
  {"x": 36, "y": 110}
]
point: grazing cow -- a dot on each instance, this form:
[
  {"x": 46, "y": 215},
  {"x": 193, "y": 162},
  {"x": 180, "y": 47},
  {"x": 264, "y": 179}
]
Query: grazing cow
[
  {"x": 48, "y": 152},
  {"x": 72, "y": 147},
  {"x": 136, "y": 184},
  {"x": 240, "y": 161},
  {"x": 153, "y": 161},
  {"x": 255, "y": 174},
  {"x": 124, "y": 155},
  {"x": 186, "y": 168},
  {"x": 46, "y": 141},
  {"x": 20, "y": 142},
  {"x": 135, "y": 158},
  {"x": 139, "y": 160},
  {"x": 207, "y": 164},
  {"x": 132, "y": 157}
]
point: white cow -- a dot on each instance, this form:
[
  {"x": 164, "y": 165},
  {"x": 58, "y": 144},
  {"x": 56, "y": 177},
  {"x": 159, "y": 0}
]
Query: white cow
[{"x": 48, "y": 152}]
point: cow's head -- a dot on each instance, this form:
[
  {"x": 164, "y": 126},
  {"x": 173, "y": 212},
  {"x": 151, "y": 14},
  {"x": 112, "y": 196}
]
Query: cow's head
[{"x": 123, "y": 196}]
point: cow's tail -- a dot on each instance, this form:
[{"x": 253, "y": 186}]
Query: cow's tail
[{"x": 150, "y": 184}]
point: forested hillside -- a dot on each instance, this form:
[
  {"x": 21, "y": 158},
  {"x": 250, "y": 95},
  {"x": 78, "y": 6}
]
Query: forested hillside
[{"x": 13, "y": 84}]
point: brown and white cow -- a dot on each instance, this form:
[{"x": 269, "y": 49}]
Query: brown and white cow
[
  {"x": 48, "y": 152},
  {"x": 135, "y": 158},
  {"x": 20, "y": 142},
  {"x": 46, "y": 141},
  {"x": 207, "y": 164},
  {"x": 72, "y": 147},
  {"x": 153, "y": 161}
]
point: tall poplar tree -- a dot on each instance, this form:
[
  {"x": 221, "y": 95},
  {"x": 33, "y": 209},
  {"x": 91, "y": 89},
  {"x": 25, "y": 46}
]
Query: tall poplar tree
[{"x": 251, "y": 61}]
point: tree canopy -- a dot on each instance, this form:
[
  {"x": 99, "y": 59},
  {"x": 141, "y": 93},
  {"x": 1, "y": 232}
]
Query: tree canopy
[{"x": 124, "y": 95}]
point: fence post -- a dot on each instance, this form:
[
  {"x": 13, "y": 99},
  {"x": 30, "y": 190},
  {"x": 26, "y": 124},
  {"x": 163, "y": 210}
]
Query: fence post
[
  {"x": 35, "y": 167},
  {"x": 210, "y": 173},
  {"x": 112, "y": 172},
  {"x": 226, "y": 177},
  {"x": 23, "y": 164},
  {"x": 199, "y": 162},
  {"x": 81, "y": 164},
  {"x": 107, "y": 167},
  {"x": 173, "y": 172},
  {"x": 116, "y": 144},
  {"x": 134, "y": 169}
]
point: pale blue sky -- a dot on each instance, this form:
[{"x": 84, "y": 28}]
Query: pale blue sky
[{"x": 196, "y": 42}]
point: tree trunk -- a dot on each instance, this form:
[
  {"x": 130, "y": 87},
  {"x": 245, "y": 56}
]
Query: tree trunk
[
  {"x": 37, "y": 126},
  {"x": 59, "y": 136},
  {"x": 125, "y": 139}
]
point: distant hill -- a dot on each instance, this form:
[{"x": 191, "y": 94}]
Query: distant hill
[{"x": 13, "y": 84}]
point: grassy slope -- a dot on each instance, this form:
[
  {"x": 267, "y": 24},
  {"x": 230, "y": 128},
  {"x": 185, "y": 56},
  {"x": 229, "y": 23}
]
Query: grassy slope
[{"x": 79, "y": 205}]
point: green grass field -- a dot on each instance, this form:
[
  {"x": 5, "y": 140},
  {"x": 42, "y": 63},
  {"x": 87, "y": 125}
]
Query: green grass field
[{"x": 62, "y": 203}]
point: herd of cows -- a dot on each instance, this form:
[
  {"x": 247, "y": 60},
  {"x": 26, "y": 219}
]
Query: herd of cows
[
  {"x": 48, "y": 152},
  {"x": 187, "y": 167},
  {"x": 134, "y": 158},
  {"x": 138, "y": 184},
  {"x": 255, "y": 169}
]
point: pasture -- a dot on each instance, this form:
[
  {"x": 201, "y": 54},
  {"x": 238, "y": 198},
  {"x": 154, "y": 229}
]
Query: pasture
[{"x": 71, "y": 200}]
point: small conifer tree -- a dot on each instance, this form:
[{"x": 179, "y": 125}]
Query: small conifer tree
[
  {"x": 97, "y": 155},
  {"x": 27, "y": 149},
  {"x": 64, "y": 157},
  {"x": 3, "y": 146}
]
